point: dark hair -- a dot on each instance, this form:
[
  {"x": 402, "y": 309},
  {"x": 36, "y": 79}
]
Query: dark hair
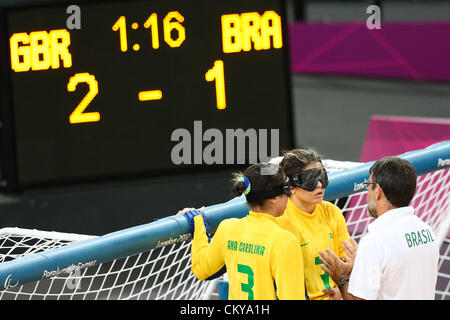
[
  {"x": 397, "y": 177},
  {"x": 296, "y": 160},
  {"x": 258, "y": 183}
]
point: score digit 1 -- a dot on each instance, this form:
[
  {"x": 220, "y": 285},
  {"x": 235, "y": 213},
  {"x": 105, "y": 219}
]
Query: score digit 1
[{"x": 216, "y": 73}]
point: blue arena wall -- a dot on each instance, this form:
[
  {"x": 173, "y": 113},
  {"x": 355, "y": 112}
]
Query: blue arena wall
[{"x": 175, "y": 228}]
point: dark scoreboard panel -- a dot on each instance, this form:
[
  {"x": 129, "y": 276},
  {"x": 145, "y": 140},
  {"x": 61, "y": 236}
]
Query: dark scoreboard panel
[{"x": 102, "y": 101}]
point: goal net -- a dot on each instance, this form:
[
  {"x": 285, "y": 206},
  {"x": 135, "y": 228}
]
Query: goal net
[{"x": 153, "y": 261}]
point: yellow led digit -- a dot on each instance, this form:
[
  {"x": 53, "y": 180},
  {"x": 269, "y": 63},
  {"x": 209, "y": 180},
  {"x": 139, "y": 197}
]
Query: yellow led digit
[
  {"x": 78, "y": 115},
  {"x": 231, "y": 33},
  {"x": 121, "y": 26},
  {"x": 60, "y": 41},
  {"x": 216, "y": 73},
  {"x": 152, "y": 22},
  {"x": 20, "y": 55},
  {"x": 170, "y": 25},
  {"x": 271, "y": 27}
]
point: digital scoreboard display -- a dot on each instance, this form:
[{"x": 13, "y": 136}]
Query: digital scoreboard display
[{"x": 105, "y": 91}]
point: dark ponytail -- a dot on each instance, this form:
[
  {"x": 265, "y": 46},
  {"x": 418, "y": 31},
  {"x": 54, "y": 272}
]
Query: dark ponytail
[
  {"x": 238, "y": 186},
  {"x": 259, "y": 184}
]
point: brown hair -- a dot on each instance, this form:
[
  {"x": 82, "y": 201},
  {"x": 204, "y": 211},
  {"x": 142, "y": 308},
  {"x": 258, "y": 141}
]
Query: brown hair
[
  {"x": 397, "y": 178},
  {"x": 294, "y": 161},
  {"x": 259, "y": 183}
]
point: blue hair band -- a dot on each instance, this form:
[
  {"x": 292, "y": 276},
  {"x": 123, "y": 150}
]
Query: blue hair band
[{"x": 247, "y": 185}]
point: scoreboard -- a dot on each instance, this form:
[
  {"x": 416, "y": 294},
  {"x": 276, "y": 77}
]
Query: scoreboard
[{"x": 100, "y": 99}]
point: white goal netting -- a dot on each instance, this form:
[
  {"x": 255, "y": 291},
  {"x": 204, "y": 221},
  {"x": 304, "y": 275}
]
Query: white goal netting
[
  {"x": 161, "y": 273},
  {"x": 164, "y": 272}
]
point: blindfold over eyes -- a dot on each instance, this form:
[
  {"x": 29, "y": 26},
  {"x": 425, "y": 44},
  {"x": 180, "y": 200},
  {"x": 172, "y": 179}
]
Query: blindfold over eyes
[
  {"x": 309, "y": 179},
  {"x": 272, "y": 192}
]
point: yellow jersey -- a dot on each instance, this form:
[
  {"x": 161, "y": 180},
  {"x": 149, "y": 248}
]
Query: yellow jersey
[
  {"x": 263, "y": 261},
  {"x": 324, "y": 228}
]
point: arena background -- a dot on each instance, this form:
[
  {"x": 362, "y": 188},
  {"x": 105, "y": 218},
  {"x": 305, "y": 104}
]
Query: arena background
[{"x": 332, "y": 112}]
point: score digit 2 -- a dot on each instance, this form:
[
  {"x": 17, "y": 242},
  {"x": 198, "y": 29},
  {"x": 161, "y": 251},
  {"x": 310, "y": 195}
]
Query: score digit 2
[{"x": 78, "y": 115}]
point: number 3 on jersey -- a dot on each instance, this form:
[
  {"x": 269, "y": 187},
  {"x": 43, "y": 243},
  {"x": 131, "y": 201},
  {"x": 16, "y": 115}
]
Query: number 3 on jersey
[
  {"x": 325, "y": 276},
  {"x": 247, "y": 287}
]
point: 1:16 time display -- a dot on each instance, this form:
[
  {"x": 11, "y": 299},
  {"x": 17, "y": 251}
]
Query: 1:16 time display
[{"x": 172, "y": 21}]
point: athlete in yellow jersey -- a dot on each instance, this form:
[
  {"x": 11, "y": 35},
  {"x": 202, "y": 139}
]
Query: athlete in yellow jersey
[
  {"x": 263, "y": 261},
  {"x": 316, "y": 223}
]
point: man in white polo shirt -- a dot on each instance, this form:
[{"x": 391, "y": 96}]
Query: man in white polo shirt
[{"x": 398, "y": 258}]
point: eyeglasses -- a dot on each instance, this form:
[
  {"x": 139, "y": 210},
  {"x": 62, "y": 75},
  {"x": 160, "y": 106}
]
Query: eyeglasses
[{"x": 367, "y": 183}]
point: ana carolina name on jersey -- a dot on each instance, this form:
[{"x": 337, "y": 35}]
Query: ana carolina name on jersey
[
  {"x": 417, "y": 238},
  {"x": 246, "y": 247}
]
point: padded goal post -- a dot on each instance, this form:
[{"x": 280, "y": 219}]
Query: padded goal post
[{"x": 152, "y": 261}]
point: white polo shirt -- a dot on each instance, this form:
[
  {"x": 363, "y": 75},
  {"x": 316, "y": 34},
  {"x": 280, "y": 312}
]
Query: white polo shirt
[{"x": 397, "y": 259}]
